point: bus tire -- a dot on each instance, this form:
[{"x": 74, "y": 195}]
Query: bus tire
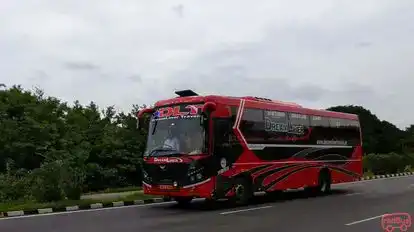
[
  {"x": 183, "y": 201},
  {"x": 324, "y": 186},
  {"x": 243, "y": 191}
]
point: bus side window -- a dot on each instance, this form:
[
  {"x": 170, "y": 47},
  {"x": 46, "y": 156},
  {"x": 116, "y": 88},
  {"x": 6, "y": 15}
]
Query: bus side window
[
  {"x": 299, "y": 124},
  {"x": 276, "y": 125},
  {"x": 225, "y": 144},
  {"x": 318, "y": 121},
  {"x": 321, "y": 127},
  {"x": 334, "y": 123},
  {"x": 233, "y": 113},
  {"x": 353, "y": 130},
  {"x": 252, "y": 125}
]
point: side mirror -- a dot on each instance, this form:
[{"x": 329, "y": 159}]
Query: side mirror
[
  {"x": 209, "y": 107},
  {"x": 141, "y": 114}
]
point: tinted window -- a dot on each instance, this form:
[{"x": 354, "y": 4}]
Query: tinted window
[
  {"x": 335, "y": 122},
  {"x": 353, "y": 132},
  {"x": 225, "y": 142},
  {"x": 318, "y": 121},
  {"x": 354, "y": 123},
  {"x": 275, "y": 121},
  {"x": 299, "y": 119},
  {"x": 252, "y": 125},
  {"x": 298, "y": 124}
]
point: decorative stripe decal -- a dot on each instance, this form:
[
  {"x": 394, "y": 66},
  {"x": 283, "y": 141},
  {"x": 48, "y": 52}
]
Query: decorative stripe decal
[
  {"x": 196, "y": 184},
  {"x": 296, "y": 170},
  {"x": 258, "y": 169},
  {"x": 300, "y": 161},
  {"x": 273, "y": 171},
  {"x": 239, "y": 114},
  {"x": 253, "y": 170},
  {"x": 273, "y": 183},
  {"x": 263, "y": 146},
  {"x": 307, "y": 151},
  {"x": 345, "y": 171}
]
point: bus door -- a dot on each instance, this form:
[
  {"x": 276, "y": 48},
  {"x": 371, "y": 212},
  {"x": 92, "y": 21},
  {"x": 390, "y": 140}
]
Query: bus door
[{"x": 226, "y": 150}]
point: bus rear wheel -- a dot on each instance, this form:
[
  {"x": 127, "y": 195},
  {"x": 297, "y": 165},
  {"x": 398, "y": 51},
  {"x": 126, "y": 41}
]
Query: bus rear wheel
[{"x": 324, "y": 186}]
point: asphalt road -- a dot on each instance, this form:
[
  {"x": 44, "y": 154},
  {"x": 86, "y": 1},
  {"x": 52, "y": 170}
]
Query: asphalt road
[{"x": 353, "y": 207}]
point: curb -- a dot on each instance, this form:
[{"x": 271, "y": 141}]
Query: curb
[
  {"x": 387, "y": 176},
  {"x": 135, "y": 202},
  {"x": 81, "y": 207}
]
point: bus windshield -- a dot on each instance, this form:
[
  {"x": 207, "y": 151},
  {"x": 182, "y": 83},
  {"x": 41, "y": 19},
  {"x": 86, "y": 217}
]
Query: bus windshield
[{"x": 175, "y": 131}]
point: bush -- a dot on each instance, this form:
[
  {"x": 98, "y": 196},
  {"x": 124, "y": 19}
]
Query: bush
[
  {"x": 72, "y": 182},
  {"x": 13, "y": 187},
  {"x": 48, "y": 182},
  {"x": 380, "y": 164}
]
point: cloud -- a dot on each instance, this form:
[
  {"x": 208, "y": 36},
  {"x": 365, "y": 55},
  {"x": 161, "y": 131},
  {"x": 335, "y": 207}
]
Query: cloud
[
  {"x": 80, "y": 66},
  {"x": 179, "y": 9},
  {"x": 317, "y": 53}
]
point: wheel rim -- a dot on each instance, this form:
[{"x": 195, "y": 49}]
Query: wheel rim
[
  {"x": 239, "y": 191},
  {"x": 324, "y": 185}
]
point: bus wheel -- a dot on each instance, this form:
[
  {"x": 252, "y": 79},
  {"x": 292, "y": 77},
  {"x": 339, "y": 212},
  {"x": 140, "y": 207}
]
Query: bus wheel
[
  {"x": 183, "y": 201},
  {"x": 243, "y": 191},
  {"x": 324, "y": 182}
]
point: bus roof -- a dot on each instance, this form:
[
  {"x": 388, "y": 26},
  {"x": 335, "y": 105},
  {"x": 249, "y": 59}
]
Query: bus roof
[{"x": 188, "y": 96}]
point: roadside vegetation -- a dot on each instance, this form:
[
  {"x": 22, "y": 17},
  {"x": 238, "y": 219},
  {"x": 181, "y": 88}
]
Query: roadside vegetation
[{"x": 53, "y": 152}]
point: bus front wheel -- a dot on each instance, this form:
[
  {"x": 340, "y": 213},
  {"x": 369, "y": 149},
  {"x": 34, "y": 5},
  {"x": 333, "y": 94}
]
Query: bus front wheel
[{"x": 243, "y": 191}]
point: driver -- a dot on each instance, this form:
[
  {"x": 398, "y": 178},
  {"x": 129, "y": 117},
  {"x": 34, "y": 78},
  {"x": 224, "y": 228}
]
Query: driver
[{"x": 172, "y": 141}]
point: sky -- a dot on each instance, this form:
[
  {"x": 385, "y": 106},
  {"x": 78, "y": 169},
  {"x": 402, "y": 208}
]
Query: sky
[{"x": 317, "y": 53}]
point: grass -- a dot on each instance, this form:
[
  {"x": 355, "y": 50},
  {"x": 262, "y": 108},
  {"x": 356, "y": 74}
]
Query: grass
[
  {"x": 32, "y": 205},
  {"x": 368, "y": 174},
  {"x": 117, "y": 190}
]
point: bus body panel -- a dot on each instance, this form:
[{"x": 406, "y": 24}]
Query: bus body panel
[{"x": 288, "y": 162}]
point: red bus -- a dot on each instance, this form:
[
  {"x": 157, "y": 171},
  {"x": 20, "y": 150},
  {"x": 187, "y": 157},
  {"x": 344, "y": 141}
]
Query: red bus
[{"x": 217, "y": 147}]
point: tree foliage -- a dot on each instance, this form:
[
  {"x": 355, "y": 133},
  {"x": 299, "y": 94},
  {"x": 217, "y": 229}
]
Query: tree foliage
[
  {"x": 60, "y": 150},
  {"x": 50, "y": 150}
]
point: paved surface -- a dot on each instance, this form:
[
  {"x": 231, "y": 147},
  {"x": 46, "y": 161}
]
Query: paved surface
[{"x": 352, "y": 207}]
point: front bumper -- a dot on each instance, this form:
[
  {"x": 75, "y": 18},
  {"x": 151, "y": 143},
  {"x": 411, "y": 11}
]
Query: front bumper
[{"x": 202, "y": 189}]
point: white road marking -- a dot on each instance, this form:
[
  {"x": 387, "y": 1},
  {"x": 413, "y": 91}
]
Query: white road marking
[
  {"x": 82, "y": 211},
  {"x": 352, "y": 194},
  {"x": 363, "y": 220},
  {"x": 163, "y": 203},
  {"x": 245, "y": 210}
]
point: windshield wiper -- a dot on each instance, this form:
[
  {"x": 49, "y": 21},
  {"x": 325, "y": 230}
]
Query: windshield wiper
[
  {"x": 154, "y": 127},
  {"x": 174, "y": 152}
]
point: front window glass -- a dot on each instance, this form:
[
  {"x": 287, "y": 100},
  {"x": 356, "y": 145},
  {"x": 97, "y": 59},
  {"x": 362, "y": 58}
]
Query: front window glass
[{"x": 176, "y": 130}]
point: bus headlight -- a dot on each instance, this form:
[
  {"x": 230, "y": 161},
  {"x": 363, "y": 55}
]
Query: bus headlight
[
  {"x": 199, "y": 176},
  {"x": 194, "y": 172}
]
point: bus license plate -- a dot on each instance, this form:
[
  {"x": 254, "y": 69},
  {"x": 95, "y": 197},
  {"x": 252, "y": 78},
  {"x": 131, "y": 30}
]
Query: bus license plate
[{"x": 165, "y": 187}]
